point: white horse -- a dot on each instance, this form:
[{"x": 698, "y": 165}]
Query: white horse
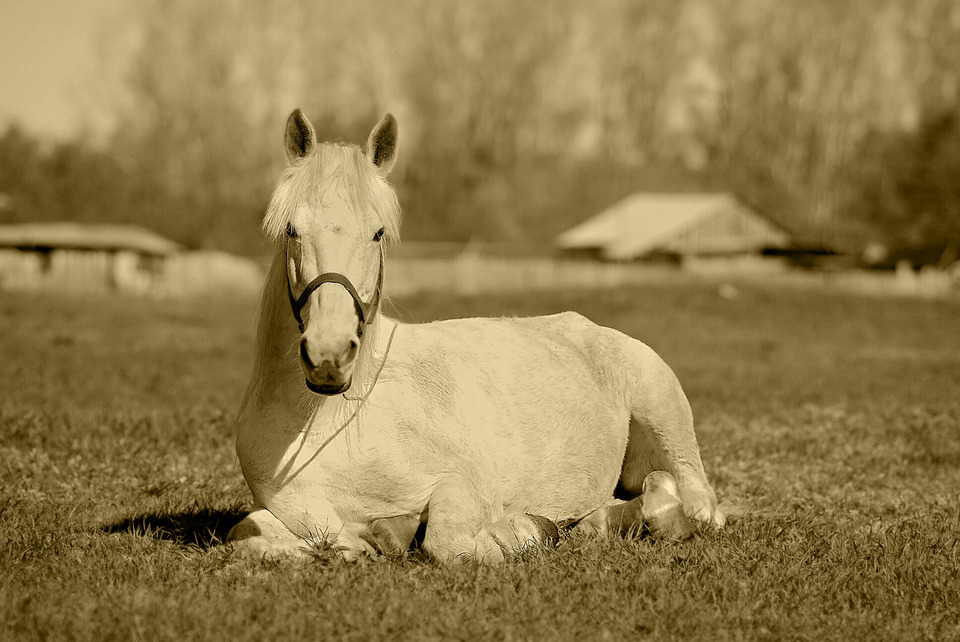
[{"x": 357, "y": 429}]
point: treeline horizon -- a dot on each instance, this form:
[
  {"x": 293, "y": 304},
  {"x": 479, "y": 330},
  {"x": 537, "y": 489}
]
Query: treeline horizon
[{"x": 838, "y": 120}]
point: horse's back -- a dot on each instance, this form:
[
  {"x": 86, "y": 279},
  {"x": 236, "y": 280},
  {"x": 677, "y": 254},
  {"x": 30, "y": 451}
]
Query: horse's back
[
  {"x": 565, "y": 347},
  {"x": 508, "y": 356}
]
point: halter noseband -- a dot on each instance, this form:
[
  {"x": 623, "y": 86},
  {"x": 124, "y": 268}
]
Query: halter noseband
[{"x": 366, "y": 311}]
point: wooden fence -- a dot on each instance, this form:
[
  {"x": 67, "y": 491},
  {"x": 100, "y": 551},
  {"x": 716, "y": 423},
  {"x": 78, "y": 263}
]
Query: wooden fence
[
  {"x": 84, "y": 272},
  {"x": 469, "y": 275},
  {"x": 203, "y": 273}
]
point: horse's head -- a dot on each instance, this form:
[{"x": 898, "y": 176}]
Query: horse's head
[{"x": 333, "y": 211}]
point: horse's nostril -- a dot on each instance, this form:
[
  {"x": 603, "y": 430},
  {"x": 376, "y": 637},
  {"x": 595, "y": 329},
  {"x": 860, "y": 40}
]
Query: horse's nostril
[
  {"x": 305, "y": 354},
  {"x": 348, "y": 355}
]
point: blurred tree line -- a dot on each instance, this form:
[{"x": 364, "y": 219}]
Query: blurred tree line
[{"x": 520, "y": 118}]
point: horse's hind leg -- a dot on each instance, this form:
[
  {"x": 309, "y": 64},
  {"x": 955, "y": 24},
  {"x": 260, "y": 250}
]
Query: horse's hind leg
[
  {"x": 659, "y": 509},
  {"x": 463, "y": 526},
  {"x": 662, "y": 436}
]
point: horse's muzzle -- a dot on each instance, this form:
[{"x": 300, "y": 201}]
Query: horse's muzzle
[{"x": 328, "y": 372}]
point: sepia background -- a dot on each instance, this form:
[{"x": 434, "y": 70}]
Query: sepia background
[{"x": 811, "y": 314}]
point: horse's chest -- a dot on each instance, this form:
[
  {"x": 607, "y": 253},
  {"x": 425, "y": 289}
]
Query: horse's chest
[{"x": 354, "y": 474}]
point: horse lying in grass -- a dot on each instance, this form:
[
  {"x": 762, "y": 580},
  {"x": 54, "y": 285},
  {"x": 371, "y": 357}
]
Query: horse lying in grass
[{"x": 357, "y": 429}]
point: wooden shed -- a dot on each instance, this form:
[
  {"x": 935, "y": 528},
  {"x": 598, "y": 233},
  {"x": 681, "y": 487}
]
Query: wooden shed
[
  {"x": 677, "y": 227},
  {"x": 84, "y": 258}
]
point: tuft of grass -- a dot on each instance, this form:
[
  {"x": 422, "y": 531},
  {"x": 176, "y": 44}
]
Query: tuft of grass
[{"x": 832, "y": 422}]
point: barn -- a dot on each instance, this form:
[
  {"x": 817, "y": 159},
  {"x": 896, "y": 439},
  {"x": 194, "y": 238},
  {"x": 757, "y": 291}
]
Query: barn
[
  {"x": 82, "y": 258},
  {"x": 689, "y": 229}
]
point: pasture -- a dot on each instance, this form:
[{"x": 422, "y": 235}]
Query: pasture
[{"x": 835, "y": 421}]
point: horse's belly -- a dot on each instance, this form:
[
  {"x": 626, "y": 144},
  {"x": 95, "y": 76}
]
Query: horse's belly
[
  {"x": 571, "y": 467},
  {"x": 519, "y": 403}
]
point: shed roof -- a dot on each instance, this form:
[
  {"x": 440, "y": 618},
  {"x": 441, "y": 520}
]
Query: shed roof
[
  {"x": 79, "y": 236},
  {"x": 644, "y": 222}
]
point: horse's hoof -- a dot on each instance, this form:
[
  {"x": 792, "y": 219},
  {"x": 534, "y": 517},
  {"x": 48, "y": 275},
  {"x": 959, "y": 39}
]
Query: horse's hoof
[
  {"x": 663, "y": 510},
  {"x": 700, "y": 505},
  {"x": 269, "y": 548}
]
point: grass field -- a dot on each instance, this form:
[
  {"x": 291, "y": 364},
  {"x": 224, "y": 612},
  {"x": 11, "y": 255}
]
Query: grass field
[{"x": 834, "y": 421}]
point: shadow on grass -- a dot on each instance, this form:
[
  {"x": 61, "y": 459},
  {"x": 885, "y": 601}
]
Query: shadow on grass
[{"x": 200, "y": 527}]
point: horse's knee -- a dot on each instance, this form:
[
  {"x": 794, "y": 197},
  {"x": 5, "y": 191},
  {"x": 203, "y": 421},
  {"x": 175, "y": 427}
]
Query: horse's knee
[
  {"x": 519, "y": 532},
  {"x": 447, "y": 543},
  {"x": 456, "y": 512},
  {"x": 385, "y": 536}
]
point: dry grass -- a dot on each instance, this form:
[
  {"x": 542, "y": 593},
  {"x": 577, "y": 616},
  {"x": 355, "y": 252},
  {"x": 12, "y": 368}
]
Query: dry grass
[{"x": 835, "y": 421}]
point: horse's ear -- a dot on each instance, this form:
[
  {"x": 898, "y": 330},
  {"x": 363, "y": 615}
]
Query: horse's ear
[
  {"x": 299, "y": 137},
  {"x": 382, "y": 144}
]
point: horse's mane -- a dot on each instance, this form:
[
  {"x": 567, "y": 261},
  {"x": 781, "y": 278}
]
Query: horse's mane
[{"x": 304, "y": 182}]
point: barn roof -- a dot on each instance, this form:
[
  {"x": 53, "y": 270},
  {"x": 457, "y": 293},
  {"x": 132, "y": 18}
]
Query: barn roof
[
  {"x": 680, "y": 223},
  {"x": 78, "y": 236}
]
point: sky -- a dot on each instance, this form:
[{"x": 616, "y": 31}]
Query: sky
[{"x": 54, "y": 80}]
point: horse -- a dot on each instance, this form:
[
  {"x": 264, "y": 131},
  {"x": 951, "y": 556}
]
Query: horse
[{"x": 356, "y": 429}]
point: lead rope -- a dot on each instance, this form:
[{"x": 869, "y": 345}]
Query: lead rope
[{"x": 376, "y": 377}]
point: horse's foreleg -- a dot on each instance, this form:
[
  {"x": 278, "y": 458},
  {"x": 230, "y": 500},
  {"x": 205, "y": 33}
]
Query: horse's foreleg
[
  {"x": 462, "y": 526},
  {"x": 260, "y": 534},
  {"x": 662, "y": 437}
]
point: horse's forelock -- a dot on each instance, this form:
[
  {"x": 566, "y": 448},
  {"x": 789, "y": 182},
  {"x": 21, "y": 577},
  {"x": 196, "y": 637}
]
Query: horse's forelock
[{"x": 331, "y": 165}]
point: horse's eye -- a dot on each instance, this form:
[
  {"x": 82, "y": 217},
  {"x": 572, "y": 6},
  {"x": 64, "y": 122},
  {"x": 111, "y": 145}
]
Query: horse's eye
[
  {"x": 291, "y": 231},
  {"x": 378, "y": 235}
]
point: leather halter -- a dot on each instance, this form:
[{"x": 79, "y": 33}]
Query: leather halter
[{"x": 366, "y": 311}]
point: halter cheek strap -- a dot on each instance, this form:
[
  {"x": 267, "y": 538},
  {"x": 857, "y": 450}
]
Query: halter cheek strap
[{"x": 366, "y": 311}]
